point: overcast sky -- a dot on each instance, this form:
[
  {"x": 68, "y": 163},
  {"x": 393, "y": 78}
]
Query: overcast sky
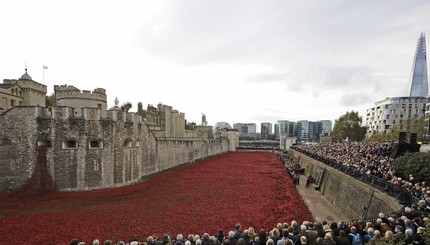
[{"x": 235, "y": 61}]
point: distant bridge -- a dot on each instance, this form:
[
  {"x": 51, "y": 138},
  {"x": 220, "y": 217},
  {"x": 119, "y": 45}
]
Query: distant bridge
[{"x": 257, "y": 145}]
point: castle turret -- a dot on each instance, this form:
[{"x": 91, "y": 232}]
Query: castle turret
[
  {"x": 73, "y": 97},
  {"x": 33, "y": 93}
]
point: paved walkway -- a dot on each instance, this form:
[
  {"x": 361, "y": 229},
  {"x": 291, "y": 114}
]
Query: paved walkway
[{"x": 321, "y": 208}]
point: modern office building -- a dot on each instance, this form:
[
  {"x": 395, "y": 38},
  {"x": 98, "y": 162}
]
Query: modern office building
[
  {"x": 304, "y": 130},
  {"x": 266, "y": 130},
  {"x": 285, "y": 128},
  {"x": 307, "y": 131},
  {"x": 391, "y": 113},
  {"x": 247, "y": 131},
  {"x": 324, "y": 126},
  {"x": 419, "y": 79}
]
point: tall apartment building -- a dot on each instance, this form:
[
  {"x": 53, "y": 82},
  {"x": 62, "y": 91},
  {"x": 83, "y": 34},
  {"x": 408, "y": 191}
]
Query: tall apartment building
[{"x": 391, "y": 113}]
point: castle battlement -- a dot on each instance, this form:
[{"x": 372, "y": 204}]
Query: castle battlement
[
  {"x": 71, "y": 92},
  {"x": 88, "y": 113},
  {"x": 27, "y": 84}
]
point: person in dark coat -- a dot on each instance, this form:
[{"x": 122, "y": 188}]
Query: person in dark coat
[
  {"x": 220, "y": 236},
  {"x": 262, "y": 237}
]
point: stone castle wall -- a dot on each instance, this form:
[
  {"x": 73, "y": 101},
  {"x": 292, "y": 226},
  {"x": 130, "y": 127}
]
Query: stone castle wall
[
  {"x": 347, "y": 193},
  {"x": 91, "y": 151}
]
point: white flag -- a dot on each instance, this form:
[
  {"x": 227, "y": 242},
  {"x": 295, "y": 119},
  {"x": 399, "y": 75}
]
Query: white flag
[{"x": 45, "y": 67}]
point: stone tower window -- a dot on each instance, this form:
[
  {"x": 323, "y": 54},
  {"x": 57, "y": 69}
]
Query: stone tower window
[
  {"x": 44, "y": 144},
  {"x": 96, "y": 144},
  {"x": 69, "y": 144},
  {"x": 128, "y": 143},
  {"x": 138, "y": 143}
]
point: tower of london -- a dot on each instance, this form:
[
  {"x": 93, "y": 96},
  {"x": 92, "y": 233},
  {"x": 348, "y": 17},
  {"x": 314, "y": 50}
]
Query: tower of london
[{"x": 87, "y": 146}]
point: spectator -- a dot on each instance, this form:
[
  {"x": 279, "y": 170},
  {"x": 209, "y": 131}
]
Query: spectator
[
  {"x": 179, "y": 241},
  {"x": 270, "y": 242},
  {"x": 262, "y": 237},
  {"x": 320, "y": 241},
  {"x": 369, "y": 235},
  {"x": 342, "y": 239},
  {"x": 220, "y": 236},
  {"x": 311, "y": 234},
  {"x": 398, "y": 234},
  {"x": 233, "y": 240},
  {"x": 74, "y": 241},
  {"x": 150, "y": 240},
  {"x": 246, "y": 237},
  {"x": 354, "y": 237},
  {"x": 291, "y": 235},
  {"x": 284, "y": 237},
  {"x": 251, "y": 232},
  {"x": 303, "y": 240},
  {"x": 237, "y": 233},
  {"x": 328, "y": 239}
]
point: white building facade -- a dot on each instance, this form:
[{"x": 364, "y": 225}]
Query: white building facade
[{"x": 391, "y": 113}]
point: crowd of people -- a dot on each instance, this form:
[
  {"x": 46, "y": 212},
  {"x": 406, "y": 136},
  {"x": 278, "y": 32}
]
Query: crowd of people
[
  {"x": 404, "y": 227},
  {"x": 370, "y": 158}
]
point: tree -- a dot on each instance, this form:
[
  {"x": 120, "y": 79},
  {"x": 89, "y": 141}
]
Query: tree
[
  {"x": 382, "y": 136},
  {"x": 126, "y": 106},
  {"x": 50, "y": 100},
  {"x": 349, "y": 126},
  {"x": 416, "y": 164},
  {"x": 415, "y": 125}
]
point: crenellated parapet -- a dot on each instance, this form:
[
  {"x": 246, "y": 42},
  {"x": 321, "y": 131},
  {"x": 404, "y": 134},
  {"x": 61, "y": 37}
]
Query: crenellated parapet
[
  {"x": 33, "y": 93},
  {"x": 27, "y": 84},
  {"x": 67, "y": 95},
  {"x": 87, "y": 114}
]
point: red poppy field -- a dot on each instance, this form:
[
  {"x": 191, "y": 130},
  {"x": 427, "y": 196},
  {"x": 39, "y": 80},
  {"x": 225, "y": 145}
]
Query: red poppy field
[{"x": 250, "y": 188}]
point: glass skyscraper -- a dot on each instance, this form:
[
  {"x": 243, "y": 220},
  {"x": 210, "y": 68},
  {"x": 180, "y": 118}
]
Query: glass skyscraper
[{"x": 419, "y": 80}]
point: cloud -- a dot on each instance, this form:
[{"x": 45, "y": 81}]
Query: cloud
[
  {"x": 354, "y": 99},
  {"x": 267, "y": 77}
]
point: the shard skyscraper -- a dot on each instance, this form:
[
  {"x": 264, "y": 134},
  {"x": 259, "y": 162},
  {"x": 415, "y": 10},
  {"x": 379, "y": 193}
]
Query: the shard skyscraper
[{"x": 419, "y": 80}]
